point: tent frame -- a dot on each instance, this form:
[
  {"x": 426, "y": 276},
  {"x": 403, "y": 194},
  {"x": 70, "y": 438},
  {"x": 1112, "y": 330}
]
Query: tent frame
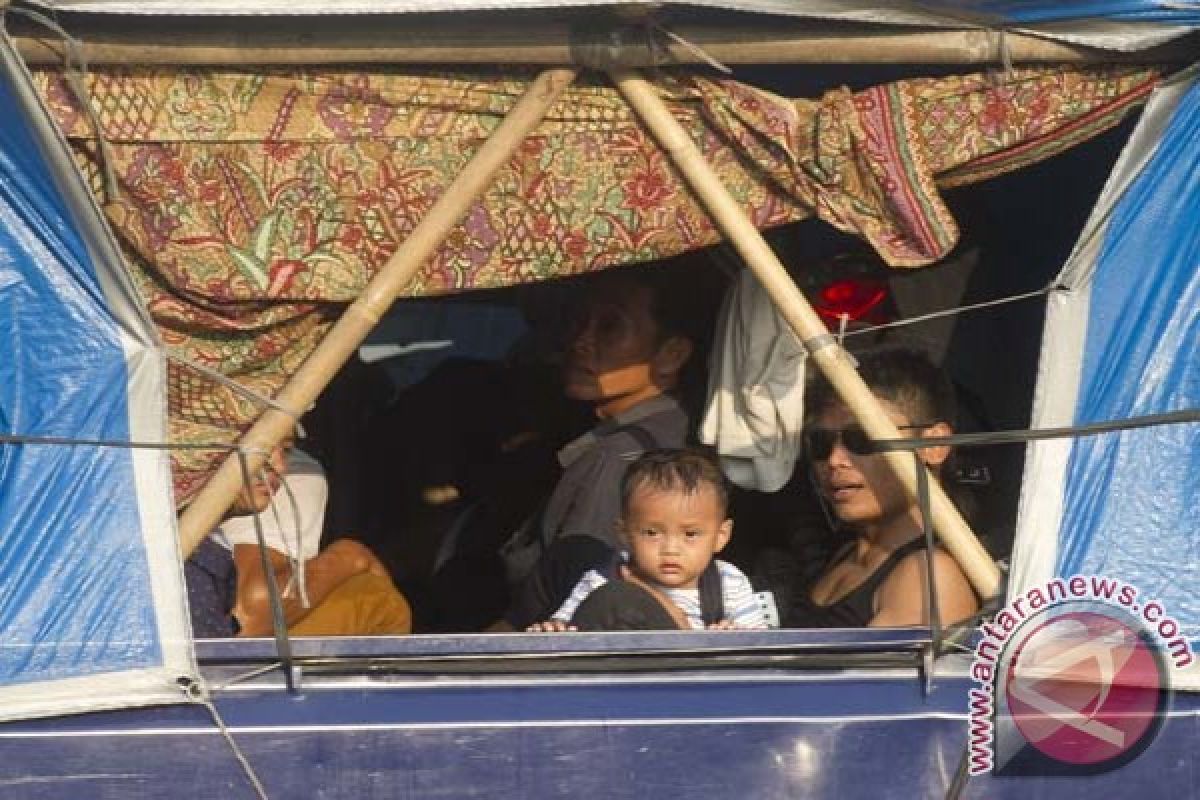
[
  {"x": 618, "y": 43},
  {"x": 212, "y": 502},
  {"x": 600, "y": 41},
  {"x": 218, "y": 494}
]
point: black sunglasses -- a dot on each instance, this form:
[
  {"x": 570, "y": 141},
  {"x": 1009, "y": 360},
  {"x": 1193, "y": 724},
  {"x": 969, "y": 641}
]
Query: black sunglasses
[{"x": 819, "y": 442}]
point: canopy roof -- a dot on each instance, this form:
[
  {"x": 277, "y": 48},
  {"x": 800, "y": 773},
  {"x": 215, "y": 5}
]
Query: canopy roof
[
  {"x": 951, "y": 13},
  {"x": 249, "y": 201},
  {"x": 1126, "y": 25},
  {"x": 252, "y": 202}
]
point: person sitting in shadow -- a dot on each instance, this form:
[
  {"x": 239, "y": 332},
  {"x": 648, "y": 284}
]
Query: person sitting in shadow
[
  {"x": 340, "y": 590},
  {"x": 624, "y": 356},
  {"x": 880, "y": 578}
]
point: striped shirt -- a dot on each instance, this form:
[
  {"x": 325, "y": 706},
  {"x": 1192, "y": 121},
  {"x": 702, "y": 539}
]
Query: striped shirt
[{"x": 742, "y": 607}]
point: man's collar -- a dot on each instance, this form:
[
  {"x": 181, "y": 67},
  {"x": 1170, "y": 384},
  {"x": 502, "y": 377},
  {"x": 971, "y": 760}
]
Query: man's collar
[
  {"x": 657, "y": 404},
  {"x": 572, "y": 451}
]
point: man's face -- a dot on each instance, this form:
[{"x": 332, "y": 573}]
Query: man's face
[
  {"x": 672, "y": 535},
  {"x": 862, "y": 489},
  {"x": 257, "y": 497},
  {"x": 611, "y": 346}
]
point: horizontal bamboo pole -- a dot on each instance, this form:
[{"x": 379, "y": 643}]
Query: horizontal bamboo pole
[
  {"x": 395, "y": 42},
  {"x": 959, "y": 540},
  {"x": 213, "y": 501}
]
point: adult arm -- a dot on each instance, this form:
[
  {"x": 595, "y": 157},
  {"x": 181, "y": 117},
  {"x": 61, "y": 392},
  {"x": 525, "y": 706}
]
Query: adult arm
[
  {"x": 902, "y": 599},
  {"x": 560, "y": 620},
  {"x": 334, "y": 565}
]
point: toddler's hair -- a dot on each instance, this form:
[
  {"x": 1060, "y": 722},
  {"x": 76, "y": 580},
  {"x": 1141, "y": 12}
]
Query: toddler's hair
[{"x": 674, "y": 469}]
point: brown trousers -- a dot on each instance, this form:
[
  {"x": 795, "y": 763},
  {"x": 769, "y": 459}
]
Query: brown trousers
[{"x": 365, "y": 605}]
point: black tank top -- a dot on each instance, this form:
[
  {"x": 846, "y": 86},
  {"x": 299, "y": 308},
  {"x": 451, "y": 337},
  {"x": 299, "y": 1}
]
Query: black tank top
[{"x": 856, "y": 609}]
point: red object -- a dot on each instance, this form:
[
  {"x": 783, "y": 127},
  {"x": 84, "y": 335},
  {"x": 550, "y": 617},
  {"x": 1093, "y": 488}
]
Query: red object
[{"x": 859, "y": 300}]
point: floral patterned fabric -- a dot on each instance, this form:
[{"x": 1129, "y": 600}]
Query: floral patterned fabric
[{"x": 253, "y": 205}]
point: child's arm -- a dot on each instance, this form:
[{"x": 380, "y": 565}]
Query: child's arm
[
  {"x": 559, "y": 622},
  {"x": 742, "y": 609}
]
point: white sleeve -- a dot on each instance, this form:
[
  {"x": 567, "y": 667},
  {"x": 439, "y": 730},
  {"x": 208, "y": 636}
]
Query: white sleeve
[
  {"x": 590, "y": 582},
  {"x": 741, "y": 606}
]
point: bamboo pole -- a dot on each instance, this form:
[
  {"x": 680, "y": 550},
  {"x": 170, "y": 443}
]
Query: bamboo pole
[
  {"x": 209, "y": 506},
  {"x": 831, "y": 359},
  {"x": 558, "y": 43}
]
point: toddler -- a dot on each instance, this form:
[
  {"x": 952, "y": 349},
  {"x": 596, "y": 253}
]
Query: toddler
[{"x": 673, "y": 523}]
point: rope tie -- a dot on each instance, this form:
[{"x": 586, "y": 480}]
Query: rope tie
[
  {"x": 75, "y": 70},
  {"x": 692, "y": 48},
  {"x": 949, "y": 312},
  {"x": 242, "y": 389}
]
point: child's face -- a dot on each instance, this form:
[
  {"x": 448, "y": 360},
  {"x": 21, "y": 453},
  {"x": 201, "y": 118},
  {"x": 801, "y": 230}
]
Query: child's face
[{"x": 672, "y": 535}]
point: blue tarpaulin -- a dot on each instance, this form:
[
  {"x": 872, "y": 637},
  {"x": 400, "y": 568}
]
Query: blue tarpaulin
[
  {"x": 80, "y": 525},
  {"x": 1122, "y": 341},
  {"x": 91, "y": 598},
  {"x": 1030, "y": 11},
  {"x": 1133, "y": 498}
]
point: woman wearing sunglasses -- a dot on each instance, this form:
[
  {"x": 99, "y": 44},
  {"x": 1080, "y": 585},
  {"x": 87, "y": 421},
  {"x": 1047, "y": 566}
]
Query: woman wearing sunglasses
[{"x": 879, "y": 578}]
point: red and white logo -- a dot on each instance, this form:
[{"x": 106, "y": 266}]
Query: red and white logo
[
  {"x": 1085, "y": 687},
  {"x": 1073, "y": 676}
]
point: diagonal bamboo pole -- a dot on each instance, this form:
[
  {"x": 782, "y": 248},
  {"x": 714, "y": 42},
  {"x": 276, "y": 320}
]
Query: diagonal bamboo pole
[
  {"x": 829, "y": 358},
  {"x": 213, "y": 501}
]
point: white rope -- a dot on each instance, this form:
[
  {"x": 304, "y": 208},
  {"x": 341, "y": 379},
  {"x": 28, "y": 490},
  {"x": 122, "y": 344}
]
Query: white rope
[
  {"x": 75, "y": 70},
  {"x": 233, "y": 745},
  {"x": 225, "y": 380},
  {"x": 283, "y": 645},
  {"x": 297, "y": 579},
  {"x": 245, "y": 676},
  {"x": 693, "y": 48},
  {"x": 949, "y": 312}
]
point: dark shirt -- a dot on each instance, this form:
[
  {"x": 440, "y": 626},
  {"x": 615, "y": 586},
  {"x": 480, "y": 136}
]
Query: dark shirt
[
  {"x": 587, "y": 499},
  {"x": 856, "y": 609},
  {"x": 211, "y": 579}
]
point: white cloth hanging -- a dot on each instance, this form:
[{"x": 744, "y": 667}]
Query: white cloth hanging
[{"x": 755, "y": 405}]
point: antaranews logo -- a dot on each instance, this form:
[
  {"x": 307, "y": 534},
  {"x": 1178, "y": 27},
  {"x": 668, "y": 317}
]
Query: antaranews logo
[{"x": 1072, "y": 678}]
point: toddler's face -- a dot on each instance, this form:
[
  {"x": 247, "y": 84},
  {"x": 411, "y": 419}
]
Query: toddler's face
[{"x": 672, "y": 535}]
